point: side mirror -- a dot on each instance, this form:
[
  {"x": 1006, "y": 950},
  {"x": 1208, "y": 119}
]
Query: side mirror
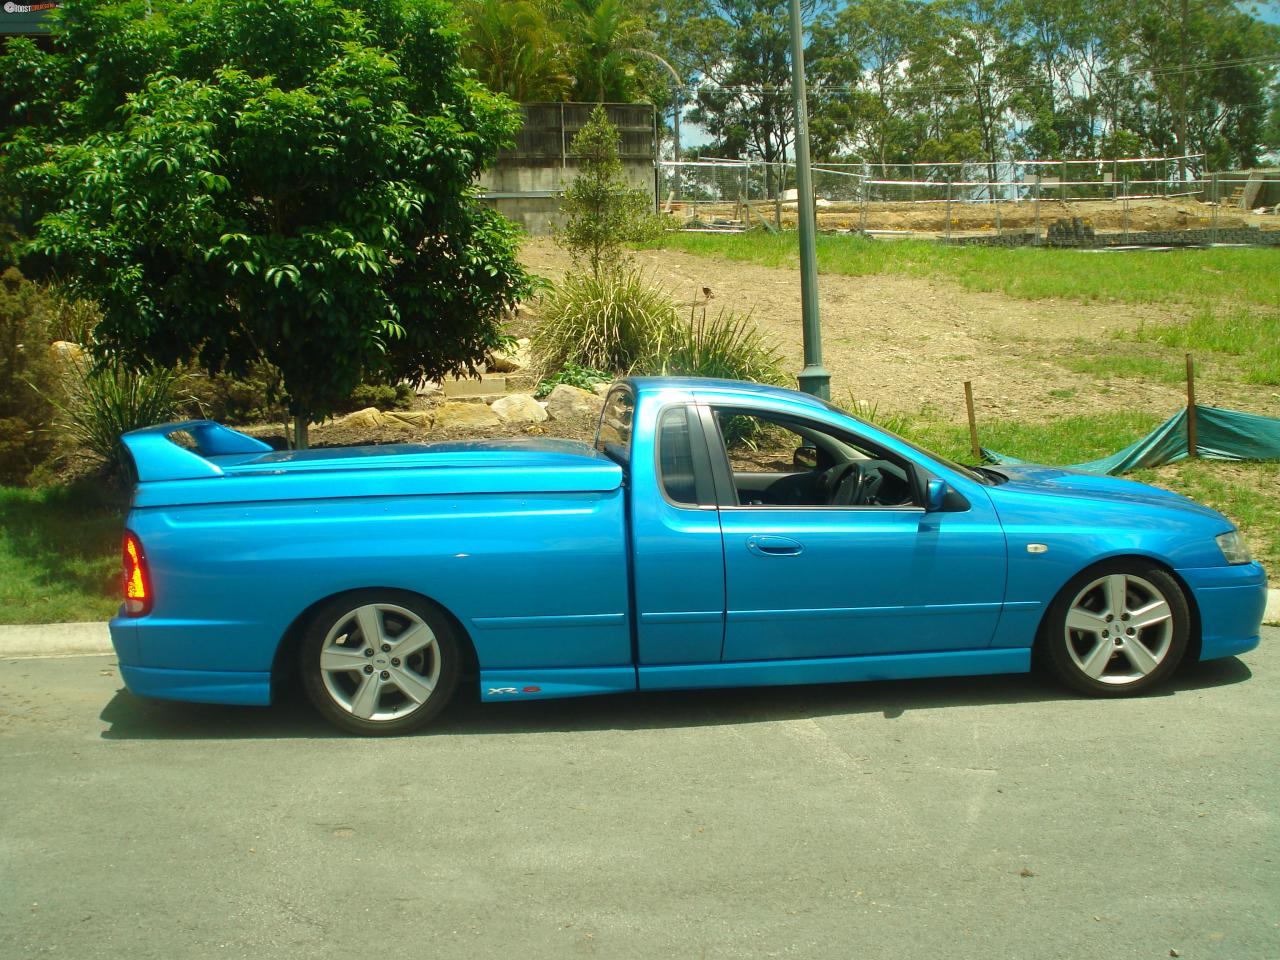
[
  {"x": 806, "y": 457},
  {"x": 935, "y": 495}
]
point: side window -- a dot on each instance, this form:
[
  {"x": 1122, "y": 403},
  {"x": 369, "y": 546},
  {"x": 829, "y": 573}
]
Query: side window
[
  {"x": 613, "y": 434},
  {"x": 786, "y": 462},
  {"x": 675, "y": 457}
]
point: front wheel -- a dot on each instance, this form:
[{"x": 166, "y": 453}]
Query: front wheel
[
  {"x": 379, "y": 662},
  {"x": 1117, "y": 629}
]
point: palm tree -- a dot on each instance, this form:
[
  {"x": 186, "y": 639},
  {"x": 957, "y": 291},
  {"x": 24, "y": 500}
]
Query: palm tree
[
  {"x": 514, "y": 49},
  {"x": 606, "y": 42}
]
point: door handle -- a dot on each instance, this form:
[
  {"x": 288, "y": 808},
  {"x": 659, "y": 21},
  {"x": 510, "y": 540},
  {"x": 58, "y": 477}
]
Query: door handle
[{"x": 774, "y": 546}]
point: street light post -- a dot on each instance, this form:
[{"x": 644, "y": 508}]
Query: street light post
[{"x": 814, "y": 378}]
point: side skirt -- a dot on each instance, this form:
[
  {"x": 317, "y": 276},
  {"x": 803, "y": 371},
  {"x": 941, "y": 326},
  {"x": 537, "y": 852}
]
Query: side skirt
[
  {"x": 579, "y": 682},
  {"x": 765, "y": 673}
]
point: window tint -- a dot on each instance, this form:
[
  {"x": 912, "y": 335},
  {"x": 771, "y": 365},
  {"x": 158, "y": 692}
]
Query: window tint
[
  {"x": 675, "y": 456},
  {"x": 613, "y": 435}
]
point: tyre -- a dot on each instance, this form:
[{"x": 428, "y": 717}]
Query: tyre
[
  {"x": 379, "y": 662},
  {"x": 1117, "y": 629}
]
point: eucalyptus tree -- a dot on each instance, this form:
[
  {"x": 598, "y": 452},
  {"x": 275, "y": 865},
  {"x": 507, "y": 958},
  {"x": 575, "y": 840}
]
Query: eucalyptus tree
[
  {"x": 974, "y": 67},
  {"x": 1203, "y": 69},
  {"x": 738, "y": 53},
  {"x": 289, "y": 180},
  {"x": 865, "y": 101}
]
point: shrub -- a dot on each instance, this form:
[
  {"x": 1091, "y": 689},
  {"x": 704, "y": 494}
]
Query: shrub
[
  {"x": 728, "y": 346},
  {"x": 109, "y": 400},
  {"x": 380, "y": 395},
  {"x": 611, "y": 322},
  {"x": 29, "y": 381},
  {"x": 256, "y": 397}
]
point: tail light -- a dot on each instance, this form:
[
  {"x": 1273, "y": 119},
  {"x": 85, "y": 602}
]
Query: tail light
[{"x": 137, "y": 579}]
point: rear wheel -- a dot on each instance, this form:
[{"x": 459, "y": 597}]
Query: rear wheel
[
  {"x": 379, "y": 662},
  {"x": 1117, "y": 629}
]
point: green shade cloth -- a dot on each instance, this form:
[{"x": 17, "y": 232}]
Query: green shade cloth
[{"x": 1220, "y": 435}]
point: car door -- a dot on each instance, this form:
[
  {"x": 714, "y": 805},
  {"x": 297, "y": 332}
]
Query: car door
[{"x": 812, "y": 579}]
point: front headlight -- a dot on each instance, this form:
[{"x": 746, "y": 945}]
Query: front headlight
[{"x": 1233, "y": 547}]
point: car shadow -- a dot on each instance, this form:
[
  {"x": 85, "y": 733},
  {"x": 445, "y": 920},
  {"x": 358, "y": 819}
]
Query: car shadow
[{"x": 132, "y": 718}]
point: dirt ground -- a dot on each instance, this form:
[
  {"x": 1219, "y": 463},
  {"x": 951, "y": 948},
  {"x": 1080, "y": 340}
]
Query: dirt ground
[
  {"x": 904, "y": 342},
  {"x": 1106, "y": 216}
]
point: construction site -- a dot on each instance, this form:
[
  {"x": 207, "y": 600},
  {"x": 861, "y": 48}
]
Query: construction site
[{"x": 1097, "y": 206}]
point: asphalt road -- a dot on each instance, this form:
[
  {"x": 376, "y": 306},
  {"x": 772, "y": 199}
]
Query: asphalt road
[{"x": 987, "y": 818}]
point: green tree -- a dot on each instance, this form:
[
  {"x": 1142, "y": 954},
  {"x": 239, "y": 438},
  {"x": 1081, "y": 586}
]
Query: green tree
[
  {"x": 737, "y": 53},
  {"x": 603, "y": 211},
  {"x": 288, "y": 180},
  {"x": 1202, "y": 78},
  {"x": 866, "y": 104},
  {"x": 607, "y": 42},
  {"x": 976, "y": 68},
  {"x": 514, "y": 48}
]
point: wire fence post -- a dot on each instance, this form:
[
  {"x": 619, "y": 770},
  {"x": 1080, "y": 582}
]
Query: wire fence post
[
  {"x": 1217, "y": 202},
  {"x": 948, "y": 208},
  {"x": 1125, "y": 221},
  {"x": 1036, "y": 205},
  {"x": 779, "y": 184},
  {"x": 862, "y": 224}
]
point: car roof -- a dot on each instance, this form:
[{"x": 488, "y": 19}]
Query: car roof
[{"x": 708, "y": 386}]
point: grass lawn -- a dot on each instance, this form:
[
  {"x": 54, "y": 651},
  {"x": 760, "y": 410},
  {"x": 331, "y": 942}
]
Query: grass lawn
[
  {"x": 59, "y": 554},
  {"x": 1248, "y": 277}
]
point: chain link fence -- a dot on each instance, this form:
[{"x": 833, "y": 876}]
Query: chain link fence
[{"x": 1032, "y": 200}]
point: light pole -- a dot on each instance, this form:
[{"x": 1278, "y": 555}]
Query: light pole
[{"x": 814, "y": 378}]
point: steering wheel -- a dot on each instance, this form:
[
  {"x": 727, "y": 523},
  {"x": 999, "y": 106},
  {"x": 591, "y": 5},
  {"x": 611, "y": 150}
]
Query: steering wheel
[{"x": 842, "y": 484}]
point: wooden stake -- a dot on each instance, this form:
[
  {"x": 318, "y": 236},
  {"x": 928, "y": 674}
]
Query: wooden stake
[
  {"x": 973, "y": 423},
  {"x": 1193, "y": 449}
]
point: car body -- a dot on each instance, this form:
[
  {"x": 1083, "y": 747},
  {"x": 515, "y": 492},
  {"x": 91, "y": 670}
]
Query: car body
[{"x": 681, "y": 550}]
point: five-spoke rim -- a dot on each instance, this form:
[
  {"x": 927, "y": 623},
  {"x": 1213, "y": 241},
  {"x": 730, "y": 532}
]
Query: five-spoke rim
[
  {"x": 380, "y": 662},
  {"x": 1119, "y": 629}
]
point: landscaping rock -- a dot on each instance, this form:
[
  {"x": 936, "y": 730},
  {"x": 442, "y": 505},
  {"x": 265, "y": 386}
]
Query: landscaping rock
[
  {"x": 519, "y": 408},
  {"x": 601, "y": 389},
  {"x": 456, "y": 415},
  {"x": 368, "y": 417},
  {"x": 566, "y": 402},
  {"x": 64, "y": 351},
  {"x": 518, "y": 359},
  {"x": 420, "y": 419}
]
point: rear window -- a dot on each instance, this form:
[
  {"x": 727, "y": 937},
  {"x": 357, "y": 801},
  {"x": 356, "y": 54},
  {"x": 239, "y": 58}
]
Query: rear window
[{"x": 613, "y": 435}]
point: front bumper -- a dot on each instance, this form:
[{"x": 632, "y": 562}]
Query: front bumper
[{"x": 1231, "y": 601}]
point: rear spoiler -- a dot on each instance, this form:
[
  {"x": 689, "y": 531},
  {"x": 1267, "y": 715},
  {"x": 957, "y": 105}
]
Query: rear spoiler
[{"x": 156, "y": 457}]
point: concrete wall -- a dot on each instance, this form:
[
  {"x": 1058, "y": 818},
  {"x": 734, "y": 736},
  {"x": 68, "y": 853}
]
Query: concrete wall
[{"x": 526, "y": 183}]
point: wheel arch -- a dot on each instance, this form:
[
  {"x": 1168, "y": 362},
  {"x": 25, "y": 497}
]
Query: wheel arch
[
  {"x": 284, "y": 666},
  {"x": 1193, "y": 632}
]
